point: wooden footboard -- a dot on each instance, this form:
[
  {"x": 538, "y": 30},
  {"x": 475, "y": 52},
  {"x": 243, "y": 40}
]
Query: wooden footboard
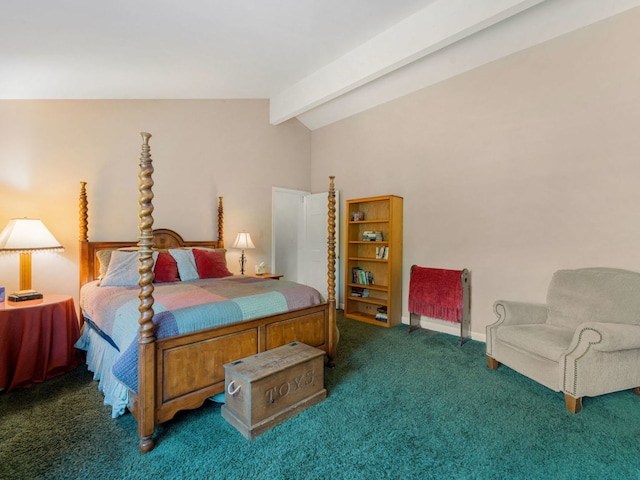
[
  {"x": 181, "y": 372},
  {"x": 189, "y": 368}
]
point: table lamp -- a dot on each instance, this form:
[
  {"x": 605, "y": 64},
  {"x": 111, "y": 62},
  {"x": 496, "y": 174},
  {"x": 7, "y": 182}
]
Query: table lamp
[
  {"x": 243, "y": 241},
  {"x": 25, "y": 236}
]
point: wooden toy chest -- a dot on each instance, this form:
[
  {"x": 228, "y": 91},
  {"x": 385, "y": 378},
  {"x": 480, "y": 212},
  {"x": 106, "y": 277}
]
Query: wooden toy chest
[{"x": 266, "y": 389}]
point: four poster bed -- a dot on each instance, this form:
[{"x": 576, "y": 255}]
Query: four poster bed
[{"x": 158, "y": 346}]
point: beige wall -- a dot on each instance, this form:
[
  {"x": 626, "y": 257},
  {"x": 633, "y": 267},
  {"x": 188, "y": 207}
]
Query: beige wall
[
  {"x": 514, "y": 170},
  {"x": 200, "y": 150}
]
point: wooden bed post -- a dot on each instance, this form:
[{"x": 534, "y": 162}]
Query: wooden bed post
[
  {"x": 83, "y": 238},
  {"x": 84, "y": 232},
  {"x": 331, "y": 274},
  {"x": 220, "y": 224},
  {"x": 145, "y": 407}
]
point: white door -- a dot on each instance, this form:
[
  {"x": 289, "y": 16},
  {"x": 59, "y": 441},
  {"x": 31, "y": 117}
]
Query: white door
[
  {"x": 300, "y": 237},
  {"x": 286, "y": 242}
]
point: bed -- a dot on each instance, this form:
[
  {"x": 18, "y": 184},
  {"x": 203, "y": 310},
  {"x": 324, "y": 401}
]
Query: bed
[{"x": 155, "y": 367}]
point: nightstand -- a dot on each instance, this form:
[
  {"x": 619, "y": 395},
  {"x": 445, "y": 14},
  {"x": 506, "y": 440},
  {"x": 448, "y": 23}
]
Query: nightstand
[
  {"x": 37, "y": 340},
  {"x": 274, "y": 276}
]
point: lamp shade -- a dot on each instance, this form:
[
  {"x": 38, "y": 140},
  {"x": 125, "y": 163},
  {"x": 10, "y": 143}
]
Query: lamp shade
[
  {"x": 243, "y": 241},
  {"x": 25, "y": 235}
]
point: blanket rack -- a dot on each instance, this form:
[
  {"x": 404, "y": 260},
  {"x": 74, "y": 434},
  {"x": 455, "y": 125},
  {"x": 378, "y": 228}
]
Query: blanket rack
[{"x": 441, "y": 294}]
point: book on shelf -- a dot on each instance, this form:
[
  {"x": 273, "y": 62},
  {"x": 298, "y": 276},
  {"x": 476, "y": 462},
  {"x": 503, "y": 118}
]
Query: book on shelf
[
  {"x": 361, "y": 276},
  {"x": 382, "y": 253},
  {"x": 382, "y": 314},
  {"x": 372, "y": 236},
  {"x": 359, "y": 292}
]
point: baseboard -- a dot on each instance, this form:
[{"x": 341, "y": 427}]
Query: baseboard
[
  {"x": 441, "y": 326},
  {"x": 445, "y": 327}
]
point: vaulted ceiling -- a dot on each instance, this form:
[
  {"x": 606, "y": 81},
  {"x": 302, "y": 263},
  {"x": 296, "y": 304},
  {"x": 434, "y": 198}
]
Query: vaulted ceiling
[{"x": 317, "y": 60}]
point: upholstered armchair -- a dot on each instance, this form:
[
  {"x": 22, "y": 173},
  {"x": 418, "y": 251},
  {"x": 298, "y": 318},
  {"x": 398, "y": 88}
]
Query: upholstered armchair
[{"x": 584, "y": 341}]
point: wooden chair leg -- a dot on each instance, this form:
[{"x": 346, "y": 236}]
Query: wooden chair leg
[
  {"x": 574, "y": 405},
  {"x": 493, "y": 363},
  {"x": 636, "y": 390}
]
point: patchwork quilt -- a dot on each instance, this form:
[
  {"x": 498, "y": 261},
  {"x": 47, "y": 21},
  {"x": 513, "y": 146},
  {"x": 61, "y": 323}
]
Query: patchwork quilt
[{"x": 184, "y": 307}]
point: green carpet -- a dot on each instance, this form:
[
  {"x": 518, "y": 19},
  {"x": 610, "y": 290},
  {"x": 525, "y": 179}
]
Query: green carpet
[{"x": 399, "y": 407}]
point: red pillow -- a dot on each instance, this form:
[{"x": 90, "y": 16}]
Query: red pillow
[
  {"x": 166, "y": 268},
  {"x": 210, "y": 264}
]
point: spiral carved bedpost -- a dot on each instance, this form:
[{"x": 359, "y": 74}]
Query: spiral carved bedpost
[
  {"x": 146, "y": 348},
  {"x": 220, "y": 224},
  {"x": 84, "y": 209},
  {"x": 331, "y": 274},
  {"x": 83, "y": 236}
]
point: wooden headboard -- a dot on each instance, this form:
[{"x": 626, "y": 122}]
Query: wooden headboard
[{"x": 162, "y": 238}]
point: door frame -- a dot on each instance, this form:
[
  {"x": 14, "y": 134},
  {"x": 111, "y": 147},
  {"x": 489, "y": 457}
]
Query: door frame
[{"x": 298, "y": 211}]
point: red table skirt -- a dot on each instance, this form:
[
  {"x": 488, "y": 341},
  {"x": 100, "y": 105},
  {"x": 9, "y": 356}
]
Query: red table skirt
[{"x": 37, "y": 340}]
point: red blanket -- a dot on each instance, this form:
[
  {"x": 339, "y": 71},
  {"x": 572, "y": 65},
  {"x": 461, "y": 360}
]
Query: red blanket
[{"x": 436, "y": 293}]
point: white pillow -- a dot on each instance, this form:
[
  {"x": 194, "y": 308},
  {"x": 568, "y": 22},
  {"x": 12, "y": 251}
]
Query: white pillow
[
  {"x": 186, "y": 264},
  {"x": 123, "y": 269}
]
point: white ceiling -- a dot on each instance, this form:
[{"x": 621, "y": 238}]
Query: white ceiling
[{"x": 317, "y": 60}]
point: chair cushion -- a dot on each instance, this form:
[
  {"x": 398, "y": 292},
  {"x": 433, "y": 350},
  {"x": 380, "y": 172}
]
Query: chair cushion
[
  {"x": 593, "y": 295},
  {"x": 544, "y": 340}
]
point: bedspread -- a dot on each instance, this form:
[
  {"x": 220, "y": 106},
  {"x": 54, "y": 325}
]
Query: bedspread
[{"x": 184, "y": 307}]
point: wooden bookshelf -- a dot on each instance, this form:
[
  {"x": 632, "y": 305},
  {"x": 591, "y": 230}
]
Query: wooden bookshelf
[{"x": 380, "y": 258}]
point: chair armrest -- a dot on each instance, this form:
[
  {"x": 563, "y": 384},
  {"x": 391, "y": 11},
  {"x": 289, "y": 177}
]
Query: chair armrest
[
  {"x": 589, "y": 342},
  {"x": 613, "y": 336},
  {"x": 519, "y": 313}
]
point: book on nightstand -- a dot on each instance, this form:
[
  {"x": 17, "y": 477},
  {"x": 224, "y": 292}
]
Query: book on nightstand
[{"x": 24, "y": 295}]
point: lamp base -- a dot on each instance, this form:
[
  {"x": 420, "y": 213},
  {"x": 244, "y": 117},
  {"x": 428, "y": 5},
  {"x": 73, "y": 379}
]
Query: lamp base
[
  {"x": 25, "y": 271},
  {"x": 243, "y": 261}
]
